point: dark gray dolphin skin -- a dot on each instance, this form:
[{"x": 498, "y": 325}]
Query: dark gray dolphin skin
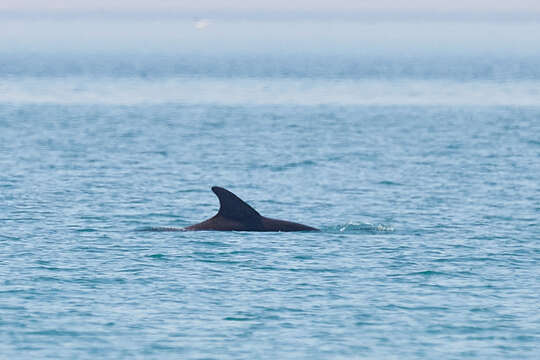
[{"x": 235, "y": 215}]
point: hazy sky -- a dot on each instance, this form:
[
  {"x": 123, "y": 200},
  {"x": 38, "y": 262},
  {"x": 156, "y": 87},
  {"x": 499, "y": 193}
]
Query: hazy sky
[{"x": 275, "y": 5}]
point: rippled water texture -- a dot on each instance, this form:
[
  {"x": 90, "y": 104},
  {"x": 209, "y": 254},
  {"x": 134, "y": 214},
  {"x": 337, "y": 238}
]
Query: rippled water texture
[{"x": 427, "y": 196}]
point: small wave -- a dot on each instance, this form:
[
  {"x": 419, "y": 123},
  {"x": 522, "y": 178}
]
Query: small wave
[
  {"x": 157, "y": 256},
  {"x": 86, "y": 230},
  {"x": 361, "y": 227},
  {"x": 388, "y": 182},
  {"x": 291, "y": 165}
]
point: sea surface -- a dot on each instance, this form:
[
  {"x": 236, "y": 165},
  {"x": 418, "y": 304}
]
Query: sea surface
[{"x": 413, "y": 146}]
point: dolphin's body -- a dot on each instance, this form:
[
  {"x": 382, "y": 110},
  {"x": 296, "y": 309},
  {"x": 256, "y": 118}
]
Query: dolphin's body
[{"x": 235, "y": 215}]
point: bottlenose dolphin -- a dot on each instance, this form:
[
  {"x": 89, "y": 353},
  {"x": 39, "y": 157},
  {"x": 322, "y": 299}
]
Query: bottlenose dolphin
[{"x": 235, "y": 215}]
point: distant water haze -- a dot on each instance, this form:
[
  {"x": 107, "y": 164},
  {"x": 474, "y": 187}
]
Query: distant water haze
[
  {"x": 266, "y": 91},
  {"x": 310, "y": 60}
]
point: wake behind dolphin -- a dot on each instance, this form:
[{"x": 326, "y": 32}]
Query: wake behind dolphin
[{"x": 236, "y": 215}]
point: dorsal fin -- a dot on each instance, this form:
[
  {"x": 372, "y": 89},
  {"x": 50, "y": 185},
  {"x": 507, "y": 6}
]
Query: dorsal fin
[{"x": 232, "y": 207}]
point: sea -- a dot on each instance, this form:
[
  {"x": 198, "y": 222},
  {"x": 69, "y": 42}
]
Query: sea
[{"x": 412, "y": 143}]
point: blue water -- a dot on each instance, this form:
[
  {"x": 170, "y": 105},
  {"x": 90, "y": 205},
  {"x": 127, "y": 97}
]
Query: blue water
[{"x": 421, "y": 170}]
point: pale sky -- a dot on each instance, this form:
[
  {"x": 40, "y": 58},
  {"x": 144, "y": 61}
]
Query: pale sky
[
  {"x": 487, "y": 6},
  {"x": 197, "y": 32}
]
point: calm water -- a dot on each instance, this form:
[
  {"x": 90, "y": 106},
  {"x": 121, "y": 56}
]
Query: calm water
[{"x": 420, "y": 167}]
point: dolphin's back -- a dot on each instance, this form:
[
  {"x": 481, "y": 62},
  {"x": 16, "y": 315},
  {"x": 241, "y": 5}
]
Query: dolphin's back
[{"x": 282, "y": 225}]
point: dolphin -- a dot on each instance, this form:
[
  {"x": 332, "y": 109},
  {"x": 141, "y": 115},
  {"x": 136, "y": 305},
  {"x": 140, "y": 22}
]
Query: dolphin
[{"x": 235, "y": 215}]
